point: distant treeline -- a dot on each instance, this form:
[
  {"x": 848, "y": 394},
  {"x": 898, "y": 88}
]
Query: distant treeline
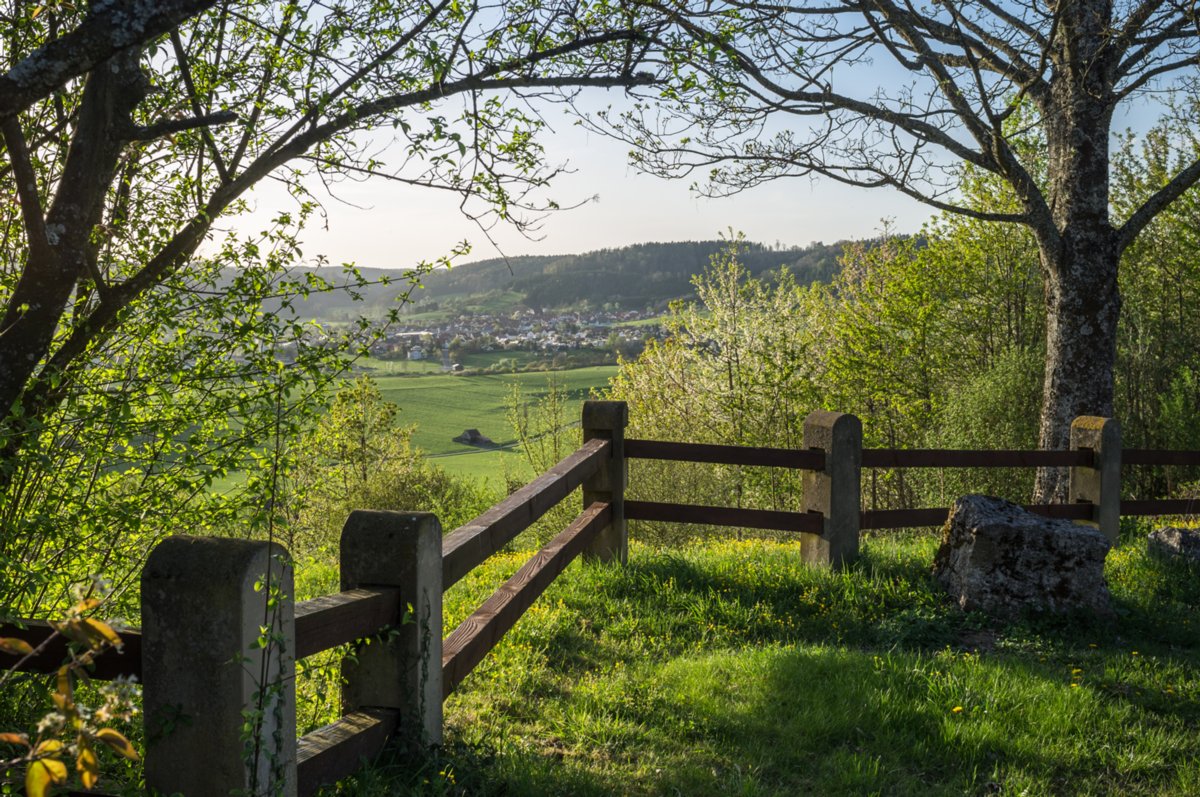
[{"x": 630, "y": 277}]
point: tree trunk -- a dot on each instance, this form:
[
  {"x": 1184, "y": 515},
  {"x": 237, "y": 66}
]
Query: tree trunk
[
  {"x": 1082, "y": 308},
  {"x": 65, "y": 254},
  {"x": 1079, "y": 256}
]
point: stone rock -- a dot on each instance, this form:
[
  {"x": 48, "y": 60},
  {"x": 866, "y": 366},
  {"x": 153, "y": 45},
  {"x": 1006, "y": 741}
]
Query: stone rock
[
  {"x": 1172, "y": 543},
  {"x": 999, "y": 558}
]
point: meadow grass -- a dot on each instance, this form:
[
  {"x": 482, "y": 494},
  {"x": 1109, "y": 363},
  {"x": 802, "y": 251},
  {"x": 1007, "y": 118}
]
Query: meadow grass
[
  {"x": 731, "y": 667},
  {"x": 479, "y": 360},
  {"x": 442, "y": 406}
]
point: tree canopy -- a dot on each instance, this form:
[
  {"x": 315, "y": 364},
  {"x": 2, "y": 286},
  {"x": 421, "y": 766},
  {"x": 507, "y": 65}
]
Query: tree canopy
[
  {"x": 132, "y": 130},
  {"x": 903, "y": 95}
]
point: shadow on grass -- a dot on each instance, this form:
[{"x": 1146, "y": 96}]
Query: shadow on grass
[
  {"x": 824, "y": 721},
  {"x": 746, "y": 673}
]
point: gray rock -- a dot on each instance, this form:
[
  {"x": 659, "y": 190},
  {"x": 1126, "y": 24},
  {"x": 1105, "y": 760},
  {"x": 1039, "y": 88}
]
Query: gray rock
[
  {"x": 999, "y": 558},
  {"x": 1171, "y": 543}
]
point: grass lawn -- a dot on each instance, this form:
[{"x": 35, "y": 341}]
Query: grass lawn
[
  {"x": 442, "y": 406},
  {"x": 730, "y": 668}
]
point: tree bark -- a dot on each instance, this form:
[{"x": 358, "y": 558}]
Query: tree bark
[
  {"x": 1080, "y": 258},
  {"x": 1082, "y": 308},
  {"x": 61, "y": 247}
]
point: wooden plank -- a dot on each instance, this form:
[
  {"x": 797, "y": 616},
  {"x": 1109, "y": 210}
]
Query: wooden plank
[
  {"x": 1178, "y": 506},
  {"x": 725, "y": 455},
  {"x": 908, "y": 518},
  {"x": 335, "y": 751},
  {"x": 724, "y": 516},
  {"x": 1082, "y": 511},
  {"x": 108, "y": 665},
  {"x": 963, "y": 458},
  {"x": 1147, "y": 456},
  {"x": 478, "y": 634},
  {"x": 331, "y": 620},
  {"x": 901, "y": 518},
  {"x": 467, "y": 546}
]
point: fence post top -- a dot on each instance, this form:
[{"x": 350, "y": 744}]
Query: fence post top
[
  {"x": 372, "y": 524},
  {"x": 829, "y": 419},
  {"x": 220, "y": 556},
  {"x": 1094, "y": 423},
  {"x": 605, "y": 414}
]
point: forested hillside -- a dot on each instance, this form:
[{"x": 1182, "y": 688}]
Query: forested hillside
[{"x": 630, "y": 277}]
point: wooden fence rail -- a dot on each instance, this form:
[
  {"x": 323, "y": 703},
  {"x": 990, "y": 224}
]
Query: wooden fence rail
[
  {"x": 204, "y": 669},
  {"x": 469, "y": 545},
  {"x": 475, "y": 637}
]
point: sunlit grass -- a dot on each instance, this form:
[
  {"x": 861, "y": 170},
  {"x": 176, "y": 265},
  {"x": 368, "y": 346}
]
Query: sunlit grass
[{"x": 732, "y": 668}]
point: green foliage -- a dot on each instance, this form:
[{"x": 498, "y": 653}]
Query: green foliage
[
  {"x": 356, "y": 458},
  {"x": 738, "y": 369},
  {"x": 141, "y": 360},
  {"x": 934, "y": 342},
  {"x": 1158, "y": 398},
  {"x": 996, "y": 408},
  {"x": 192, "y": 391},
  {"x": 72, "y": 729},
  {"x": 546, "y": 432}
]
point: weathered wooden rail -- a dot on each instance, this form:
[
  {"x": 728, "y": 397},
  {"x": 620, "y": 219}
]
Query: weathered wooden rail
[
  {"x": 202, "y": 670},
  {"x": 833, "y": 458}
]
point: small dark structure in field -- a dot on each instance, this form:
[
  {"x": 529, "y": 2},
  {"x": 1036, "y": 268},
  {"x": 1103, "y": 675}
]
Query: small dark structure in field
[{"x": 472, "y": 437}]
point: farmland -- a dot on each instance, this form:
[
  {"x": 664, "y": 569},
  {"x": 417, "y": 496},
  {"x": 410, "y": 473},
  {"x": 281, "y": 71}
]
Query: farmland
[{"x": 441, "y": 406}]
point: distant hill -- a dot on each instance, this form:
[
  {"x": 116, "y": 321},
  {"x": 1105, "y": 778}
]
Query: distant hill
[{"x": 630, "y": 277}]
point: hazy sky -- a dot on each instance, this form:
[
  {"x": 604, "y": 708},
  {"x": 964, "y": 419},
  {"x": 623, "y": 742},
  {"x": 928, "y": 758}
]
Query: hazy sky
[
  {"x": 385, "y": 224},
  {"x": 396, "y": 226}
]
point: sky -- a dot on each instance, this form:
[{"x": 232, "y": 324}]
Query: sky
[{"x": 381, "y": 224}]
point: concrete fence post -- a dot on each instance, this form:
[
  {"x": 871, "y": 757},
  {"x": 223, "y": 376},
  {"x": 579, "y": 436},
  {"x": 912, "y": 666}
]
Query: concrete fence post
[
  {"x": 607, "y": 420},
  {"x": 834, "y": 491},
  {"x": 208, "y": 667},
  {"x": 1100, "y": 484},
  {"x": 404, "y": 671}
]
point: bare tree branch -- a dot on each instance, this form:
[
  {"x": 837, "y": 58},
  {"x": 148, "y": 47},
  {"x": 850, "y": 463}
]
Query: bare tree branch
[{"x": 1158, "y": 201}]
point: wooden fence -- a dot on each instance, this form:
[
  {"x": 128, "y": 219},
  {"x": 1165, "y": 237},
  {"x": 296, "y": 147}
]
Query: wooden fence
[{"x": 218, "y": 648}]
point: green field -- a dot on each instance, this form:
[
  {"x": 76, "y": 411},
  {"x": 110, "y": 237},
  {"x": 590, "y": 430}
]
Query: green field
[
  {"x": 442, "y": 406},
  {"x": 472, "y": 361},
  {"x": 730, "y": 667}
]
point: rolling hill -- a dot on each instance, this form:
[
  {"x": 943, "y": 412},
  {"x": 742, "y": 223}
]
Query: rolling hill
[{"x": 630, "y": 277}]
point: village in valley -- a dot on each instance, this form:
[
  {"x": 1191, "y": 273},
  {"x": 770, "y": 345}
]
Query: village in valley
[{"x": 600, "y": 335}]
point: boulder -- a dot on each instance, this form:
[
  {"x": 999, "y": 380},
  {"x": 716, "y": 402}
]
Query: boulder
[
  {"x": 1175, "y": 543},
  {"x": 999, "y": 558}
]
